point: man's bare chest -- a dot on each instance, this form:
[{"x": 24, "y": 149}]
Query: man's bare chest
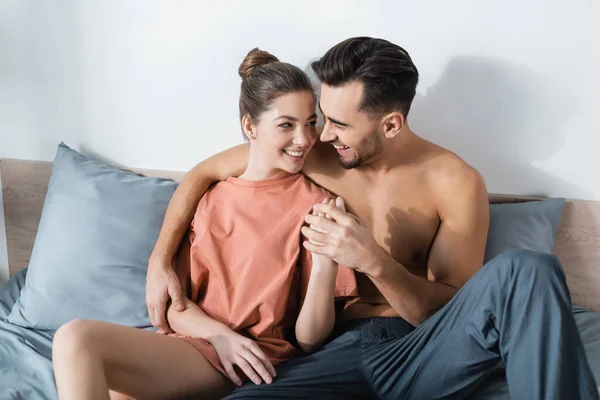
[{"x": 401, "y": 214}]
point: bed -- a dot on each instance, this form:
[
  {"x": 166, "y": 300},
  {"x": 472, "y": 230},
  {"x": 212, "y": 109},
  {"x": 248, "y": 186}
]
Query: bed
[{"x": 25, "y": 353}]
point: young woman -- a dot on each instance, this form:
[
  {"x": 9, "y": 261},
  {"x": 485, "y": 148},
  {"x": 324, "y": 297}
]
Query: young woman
[{"x": 252, "y": 290}]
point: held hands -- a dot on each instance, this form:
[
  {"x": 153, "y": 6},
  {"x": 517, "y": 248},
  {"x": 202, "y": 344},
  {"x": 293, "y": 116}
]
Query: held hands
[
  {"x": 341, "y": 236},
  {"x": 320, "y": 260},
  {"x": 237, "y": 350}
]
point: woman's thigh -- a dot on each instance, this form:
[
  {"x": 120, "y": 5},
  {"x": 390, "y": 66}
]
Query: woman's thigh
[{"x": 147, "y": 365}]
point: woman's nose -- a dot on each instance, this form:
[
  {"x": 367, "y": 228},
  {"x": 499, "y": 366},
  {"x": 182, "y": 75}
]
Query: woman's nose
[{"x": 302, "y": 137}]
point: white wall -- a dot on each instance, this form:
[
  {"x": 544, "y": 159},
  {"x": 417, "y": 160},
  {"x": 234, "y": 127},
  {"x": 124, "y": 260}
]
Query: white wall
[{"x": 511, "y": 86}]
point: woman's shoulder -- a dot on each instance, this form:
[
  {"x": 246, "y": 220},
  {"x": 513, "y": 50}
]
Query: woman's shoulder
[
  {"x": 215, "y": 194},
  {"x": 312, "y": 192}
]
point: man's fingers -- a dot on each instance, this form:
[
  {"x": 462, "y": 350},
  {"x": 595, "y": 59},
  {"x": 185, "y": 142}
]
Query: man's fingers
[
  {"x": 322, "y": 224},
  {"x": 313, "y": 248},
  {"x": 257, "y": 365},
  {"x": 316, "y": 214},
  {"x": 157, "y": 317},
  {"x": 250, "y": 373},
  {"x": 160, "y": 317},
  {"x": 335, "y": 213},
  {"x": 332, "y": 201},
  {"x": 340, "y": 204},
  {"x": 315, "y": 237},
  {"x": 176, "y": 296},
  {"x": 326, "y": 201},
  {"x": 163, "y": 326},
  {"x": 265, "y": 360},
  {"x": 232, "y": 375},
  {"x": 316, "y": 228}
]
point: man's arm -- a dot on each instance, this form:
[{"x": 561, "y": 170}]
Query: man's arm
[
  {"x": 456, "y": 254},
  {"x": 162, "y": 282},
  {"x": 231, "y": 162}
]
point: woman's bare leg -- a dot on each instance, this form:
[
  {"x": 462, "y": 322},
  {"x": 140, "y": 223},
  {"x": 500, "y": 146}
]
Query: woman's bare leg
[{"x": 91, "y": 357}]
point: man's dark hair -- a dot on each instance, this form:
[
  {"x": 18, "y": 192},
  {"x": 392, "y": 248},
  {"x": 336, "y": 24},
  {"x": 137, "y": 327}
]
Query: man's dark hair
[{"x": 386, "y": 71}]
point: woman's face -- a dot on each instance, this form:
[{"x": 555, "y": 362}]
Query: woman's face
[{"x": 285, "y": 132}]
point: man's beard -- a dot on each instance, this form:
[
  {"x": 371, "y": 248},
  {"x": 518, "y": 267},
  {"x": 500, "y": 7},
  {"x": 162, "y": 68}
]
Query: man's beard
[
  {"x": 349, "y": 164},
  {"x": 364, "y": 151}
]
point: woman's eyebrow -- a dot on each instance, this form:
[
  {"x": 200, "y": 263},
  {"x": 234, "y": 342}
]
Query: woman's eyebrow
[{"x": 294, "y": 118}]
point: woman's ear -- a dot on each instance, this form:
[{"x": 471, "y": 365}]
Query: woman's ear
[
  {"x": 248, "y": 128},
  {"x": 392, "y": 124}
]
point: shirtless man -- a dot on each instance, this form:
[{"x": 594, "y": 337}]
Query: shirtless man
[{"x": 430, "y": 322}]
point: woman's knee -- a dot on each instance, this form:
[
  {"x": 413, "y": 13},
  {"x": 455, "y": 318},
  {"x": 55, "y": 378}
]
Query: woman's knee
[{"x": 73, "y": 336}]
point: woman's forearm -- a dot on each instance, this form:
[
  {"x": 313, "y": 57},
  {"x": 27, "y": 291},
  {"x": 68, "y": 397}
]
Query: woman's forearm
[
  {"x": 194, "y": 322},
  {"x": 317, "y": 315}
]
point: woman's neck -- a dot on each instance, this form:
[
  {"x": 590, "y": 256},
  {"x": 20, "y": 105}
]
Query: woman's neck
[{"x": 258, "y": 169}]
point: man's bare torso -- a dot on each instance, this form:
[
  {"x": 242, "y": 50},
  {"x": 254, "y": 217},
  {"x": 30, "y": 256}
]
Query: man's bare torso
[{"x": 398, "y": 207}]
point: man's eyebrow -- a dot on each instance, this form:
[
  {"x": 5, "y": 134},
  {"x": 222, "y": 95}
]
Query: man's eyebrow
[{"x": 332, "y": 119}]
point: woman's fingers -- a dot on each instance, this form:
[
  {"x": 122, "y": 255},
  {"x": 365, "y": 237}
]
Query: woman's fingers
[
  {"x": 262, "y": 356},
  {"x": 248, "y": 370},
  {"x": 231, "y": 374},
  {"x": 257, "y": 365}
]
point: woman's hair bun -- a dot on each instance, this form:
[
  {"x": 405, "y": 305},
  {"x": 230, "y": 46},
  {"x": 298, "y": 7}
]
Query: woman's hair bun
[{"x": 255, "y": 59}]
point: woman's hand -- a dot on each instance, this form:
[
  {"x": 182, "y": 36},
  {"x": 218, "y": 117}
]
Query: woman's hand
[{"x": 234, "y": 349}]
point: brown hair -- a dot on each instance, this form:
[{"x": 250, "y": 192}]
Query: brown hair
[{"x": 264, "y": 78}]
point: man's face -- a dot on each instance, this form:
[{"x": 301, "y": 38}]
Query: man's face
[{"x": 353, "y": 133}]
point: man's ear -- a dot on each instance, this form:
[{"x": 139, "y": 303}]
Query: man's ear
[
  {"x": 392, "y": 124},
  {"x": 248, "y": 127}
]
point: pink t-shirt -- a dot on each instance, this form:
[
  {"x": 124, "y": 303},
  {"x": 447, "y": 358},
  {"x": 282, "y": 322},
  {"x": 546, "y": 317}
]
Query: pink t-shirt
[{"x": 248, "y": 267}]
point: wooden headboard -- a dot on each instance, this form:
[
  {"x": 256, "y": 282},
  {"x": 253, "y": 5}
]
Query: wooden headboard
[{"x": 24, "y": 186}]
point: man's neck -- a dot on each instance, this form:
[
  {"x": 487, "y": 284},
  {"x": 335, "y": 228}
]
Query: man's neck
[{"x": 403, "y": 149}]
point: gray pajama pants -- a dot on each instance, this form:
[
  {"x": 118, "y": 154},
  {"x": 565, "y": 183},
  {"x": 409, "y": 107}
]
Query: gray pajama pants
[{"x": 516, "y": 309}]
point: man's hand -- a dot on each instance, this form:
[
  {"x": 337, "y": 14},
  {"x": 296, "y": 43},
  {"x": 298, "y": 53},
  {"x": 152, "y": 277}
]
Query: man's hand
[
  {"x": 344, "y": 238},
  {"x": 162, "y": 283},
  {"x": 234, "y": 349}
]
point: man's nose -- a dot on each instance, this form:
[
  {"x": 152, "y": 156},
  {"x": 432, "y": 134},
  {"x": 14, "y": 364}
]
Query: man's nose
[{"x": 327, "y": 135}]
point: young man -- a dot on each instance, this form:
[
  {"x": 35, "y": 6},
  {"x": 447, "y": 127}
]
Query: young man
[{"x": 430, "y": 322}]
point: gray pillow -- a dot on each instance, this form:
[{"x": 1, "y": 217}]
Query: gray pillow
[
  {"x": 10, "y": 292},
  {"x": 529, "y": 225},
  {"x": 98, "y": 228}
]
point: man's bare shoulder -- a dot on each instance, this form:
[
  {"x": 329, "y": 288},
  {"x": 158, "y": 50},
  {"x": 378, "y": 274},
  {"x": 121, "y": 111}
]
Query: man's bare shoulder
[{"x": 451, "y": 176}]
